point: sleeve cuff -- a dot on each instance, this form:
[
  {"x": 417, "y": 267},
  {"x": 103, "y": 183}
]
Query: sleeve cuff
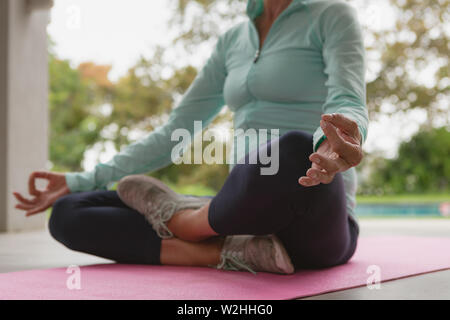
[
  {"x": 317, "y": 145},
  {"x": 79, "y": 181},
  {"x": 318, "y": 138}
]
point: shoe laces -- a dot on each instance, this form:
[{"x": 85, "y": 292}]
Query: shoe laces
[
  {"x": 160, "y": 217},
  {"x": 234, "y": 261}
]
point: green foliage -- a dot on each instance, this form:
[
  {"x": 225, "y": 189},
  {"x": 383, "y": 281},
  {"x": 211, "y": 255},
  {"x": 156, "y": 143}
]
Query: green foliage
[
  {"x": 201, "y": 20},
  {"x": 422, "y": 165},
  {"x": 73, "y": 126},
  {"x": 136, "y": 100},
  {"x": 405, "y": 198},
  {"x": 418, "y": 41},
  {"x": 211, "y": 176},
  {"x": 193, "y": 189}
]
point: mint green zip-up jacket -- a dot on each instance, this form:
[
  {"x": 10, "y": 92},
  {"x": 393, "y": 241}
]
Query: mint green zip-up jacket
[{"x": 312, "y": 62}]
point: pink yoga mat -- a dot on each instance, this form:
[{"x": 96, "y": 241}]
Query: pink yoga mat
[{"x": 391, "y": 257}]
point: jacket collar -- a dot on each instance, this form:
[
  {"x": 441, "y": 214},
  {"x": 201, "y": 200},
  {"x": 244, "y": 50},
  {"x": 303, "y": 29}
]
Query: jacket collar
[{"x": 256, "y": 7}]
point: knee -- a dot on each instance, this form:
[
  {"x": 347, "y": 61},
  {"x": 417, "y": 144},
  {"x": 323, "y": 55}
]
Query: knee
[
  {"x": 297, "y": 140},
  {"x": 57, "y": 216},
  {"x": 297, "y": 137},
  {"x": 328, "y": 258},
  {"x": 62, "y": 223}
]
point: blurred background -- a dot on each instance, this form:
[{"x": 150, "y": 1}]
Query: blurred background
[
  {"x": 81, "y": 79},
  {"x": 118, "y": 68}
]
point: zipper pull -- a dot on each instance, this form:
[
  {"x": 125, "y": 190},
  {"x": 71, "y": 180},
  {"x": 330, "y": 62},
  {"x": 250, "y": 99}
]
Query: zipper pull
[{"x": 256, "y": 56}]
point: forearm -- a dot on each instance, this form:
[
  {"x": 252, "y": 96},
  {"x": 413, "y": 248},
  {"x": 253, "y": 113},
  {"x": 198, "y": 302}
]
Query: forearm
[{"x": 345, "y": 65}]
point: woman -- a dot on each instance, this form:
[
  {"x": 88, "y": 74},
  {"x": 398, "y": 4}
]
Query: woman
[{"x": 295, "y": 65}]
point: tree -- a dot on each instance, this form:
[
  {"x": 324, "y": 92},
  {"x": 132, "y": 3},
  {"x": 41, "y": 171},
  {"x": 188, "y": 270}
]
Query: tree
[
  {"x": 73, "y": 125},
  {"x": 419, "y": 41},
  {"x": 422, "y": 165},
  {"x": 202, "y": 20}
]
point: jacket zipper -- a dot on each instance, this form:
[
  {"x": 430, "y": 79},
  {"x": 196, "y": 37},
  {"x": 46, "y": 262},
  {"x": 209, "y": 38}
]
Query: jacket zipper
[
  {"x": 259, "y": 50},
  {"x": 256, "y": 56}
]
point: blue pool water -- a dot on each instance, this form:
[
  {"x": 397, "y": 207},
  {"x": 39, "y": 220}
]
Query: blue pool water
[{"x": 402, "y": 209}]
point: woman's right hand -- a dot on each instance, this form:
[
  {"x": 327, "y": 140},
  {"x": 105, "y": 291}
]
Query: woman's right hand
[{"x": 42, "y": 199}]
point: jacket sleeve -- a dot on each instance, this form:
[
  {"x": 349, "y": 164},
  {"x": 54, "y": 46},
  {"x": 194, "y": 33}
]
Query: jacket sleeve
[
  {"x": 202, "y": 102},
  {"x": 344, "y": 58}
]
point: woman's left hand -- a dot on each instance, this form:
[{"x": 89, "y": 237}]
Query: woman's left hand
[{"x": 340, "y": 151}]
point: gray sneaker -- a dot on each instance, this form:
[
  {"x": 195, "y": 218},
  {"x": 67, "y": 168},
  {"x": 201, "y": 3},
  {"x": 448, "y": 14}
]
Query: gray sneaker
[
  {"x": 255, "y": 253},
  {"x": 156, "y": 201}
]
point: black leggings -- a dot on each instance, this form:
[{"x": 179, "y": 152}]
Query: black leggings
[{"x": 312, "y": 222}]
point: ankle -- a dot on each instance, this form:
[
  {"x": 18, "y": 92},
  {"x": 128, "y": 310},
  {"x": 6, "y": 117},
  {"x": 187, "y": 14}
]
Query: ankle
[
  {"x": 183, "y": 225},
  {"x": 209, "y": 253},
  {"x": 191, "y": 224},
  {"x": 202, "y": 254}
]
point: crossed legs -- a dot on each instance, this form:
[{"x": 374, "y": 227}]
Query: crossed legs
[
  {"x": 99, "y": 223},
  {"x": 311, "y": 222}
]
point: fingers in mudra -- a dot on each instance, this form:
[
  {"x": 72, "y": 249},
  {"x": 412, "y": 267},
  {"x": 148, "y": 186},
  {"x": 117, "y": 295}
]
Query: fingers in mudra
[
  {"x": 344, "y": 137},
  {"x": 24, "y": 203},
  {"x": 319, "y": 176},
  {"x": 340, "y": 151},
  {"x": 42, "y": 199},
  {"x": 32, "y": 206},
  {"x": 330, "y": 164},
  {"x": 346, "y": 124},
  {"x": 322, "y": 170}
]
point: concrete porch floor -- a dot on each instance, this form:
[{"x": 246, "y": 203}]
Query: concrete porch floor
[{"x": 37, "y": 250}]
